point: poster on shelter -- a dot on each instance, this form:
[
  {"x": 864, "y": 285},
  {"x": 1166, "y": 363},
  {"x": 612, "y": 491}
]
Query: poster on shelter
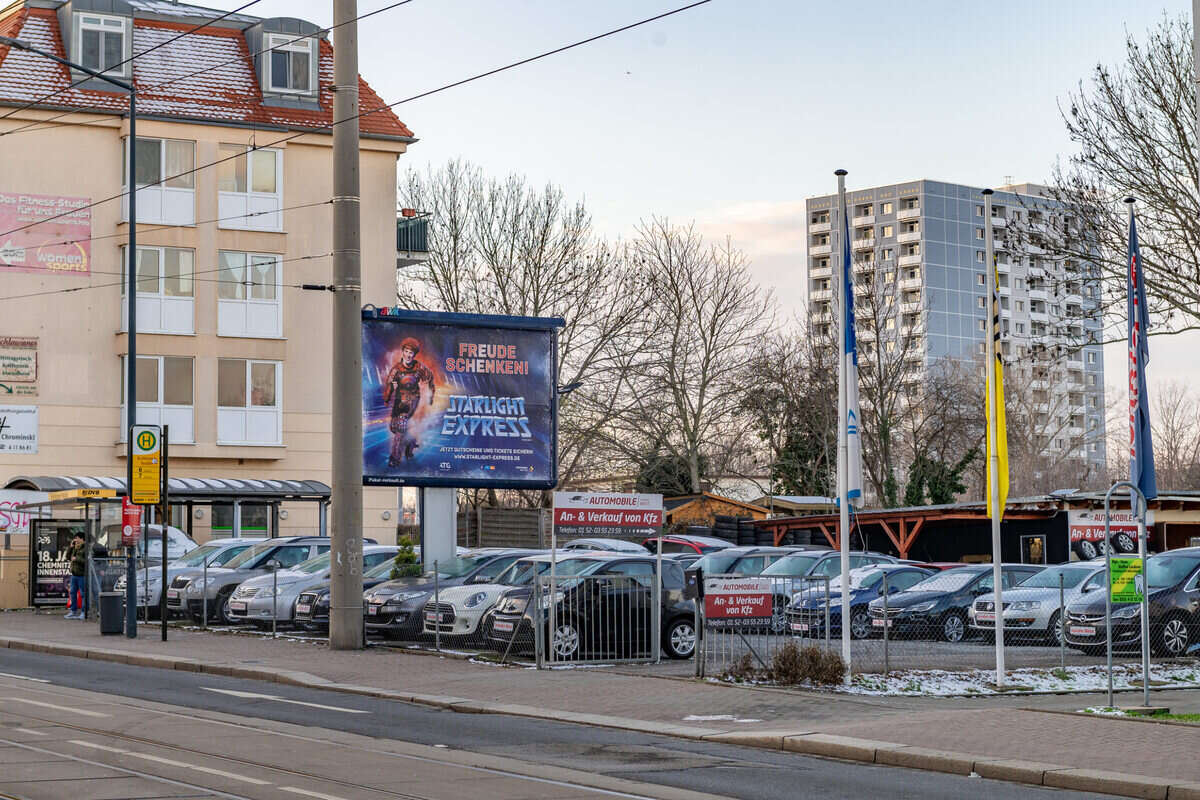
[
  {"x": 453, "y": 404},
  {"x": 45, "y": 233}
]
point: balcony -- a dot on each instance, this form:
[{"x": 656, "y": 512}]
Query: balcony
[
  {"x": 864, "y": 244},
  {"x": 819, "y": 249},
  {"x": 821, "y": 294},
  {"x": 910, "y": 307},
  {"x": 911, "y": 260},
  {"x": 911, "y": 236},
  {"x": 820, "y": 272},
  {"x": 908, "y": 213},
  {"x": 412, "y": 239},
  {"x": 867, "y": 219},
  {"x": 911, "y": 283},
  {"x": 999, "y": 222},
  {"x": 1038, "y": 294},
  {"x": 818, "y": 227}
]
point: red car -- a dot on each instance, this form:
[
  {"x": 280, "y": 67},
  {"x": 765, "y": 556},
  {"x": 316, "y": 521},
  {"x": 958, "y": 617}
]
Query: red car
[{"x": 686, "y": 544}]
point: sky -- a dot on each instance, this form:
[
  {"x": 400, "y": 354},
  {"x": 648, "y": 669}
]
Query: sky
[{"x": 732, "y": 113}]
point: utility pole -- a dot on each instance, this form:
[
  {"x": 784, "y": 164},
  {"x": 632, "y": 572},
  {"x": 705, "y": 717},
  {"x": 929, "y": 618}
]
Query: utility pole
[{"x": 345, "y": 600}]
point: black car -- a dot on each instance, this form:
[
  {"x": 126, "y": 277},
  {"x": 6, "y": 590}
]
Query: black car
[
  {"x": 743, "y": 561},
  {"x": 312, "y": 606},
  {"x": 1174, "y": 581},
  {"x": 393, "y": 608},
  {"x": 605, "y": 613},
  {"x": 937, "y": 606}
]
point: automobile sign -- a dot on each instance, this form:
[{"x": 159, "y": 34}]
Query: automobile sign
[
  {"x": 1125, "y": 577},
  {"x": 729, "y": 599},
  {"x": 607, "y": 514}
]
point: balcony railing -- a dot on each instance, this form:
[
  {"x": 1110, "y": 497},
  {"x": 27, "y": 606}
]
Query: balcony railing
[
  {"x": 412, "y": 240},
  {"x": 908, "y": 213},
  {"x": 818, "y": 227},
  {"x": 911, "y": 236},
  {"x": 909, "y": 260},
  {"x": 819, "y": 249},
  {"x": 863, "y": 244},
  {"x": 867, "y": 219}
]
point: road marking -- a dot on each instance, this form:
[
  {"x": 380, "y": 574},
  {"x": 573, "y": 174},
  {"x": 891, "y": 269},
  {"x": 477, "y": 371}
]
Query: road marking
[
  {"x": 32, "y": 732},
  {"x": 170, "y": 762},
  {"x": 23, "y": 677},
  {"x": 95, "y": 746},
  {"x": 307, "y": 793},
  {"x": 277, "y": 699},
  {"x": 57, "y": 708}
]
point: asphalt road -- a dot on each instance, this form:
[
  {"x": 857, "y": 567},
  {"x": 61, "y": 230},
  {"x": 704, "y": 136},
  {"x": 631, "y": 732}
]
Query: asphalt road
[{"x": 39, "y": 688}]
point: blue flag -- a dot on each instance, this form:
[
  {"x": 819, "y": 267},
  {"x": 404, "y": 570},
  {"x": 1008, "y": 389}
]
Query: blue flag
[
  {"x": 1141, "y": 443},
  {"x": 849, "y": 355}
]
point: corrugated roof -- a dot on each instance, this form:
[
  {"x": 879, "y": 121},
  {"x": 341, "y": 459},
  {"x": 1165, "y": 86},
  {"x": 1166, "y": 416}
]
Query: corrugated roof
[
  {"x": 184, "y": 489},
  {"x": 228, "y": 92}
]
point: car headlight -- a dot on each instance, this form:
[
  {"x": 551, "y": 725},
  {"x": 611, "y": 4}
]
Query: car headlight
[
  {"x": 401, "y": 597},
  {"x": 919, "y": 607},
  {"x": 1126, "y": 612},
  {"x": 475, "y": 599},
  {"x": 192, "y": 588},
  {"x": 266, "y": 591},
  {"x": 1026, "y": 605}
]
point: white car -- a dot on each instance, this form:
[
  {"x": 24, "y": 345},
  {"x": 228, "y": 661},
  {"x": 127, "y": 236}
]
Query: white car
[
  {"x": 1032, "y": 607},
  {"x": 459, "y": 610},
  {"x": 216, "y": 553}
]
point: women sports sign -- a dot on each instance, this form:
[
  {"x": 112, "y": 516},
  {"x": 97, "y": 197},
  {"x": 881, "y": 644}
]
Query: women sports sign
[
  {"x": 459, "y": 400},
  {"x": 46, "y": 233}
]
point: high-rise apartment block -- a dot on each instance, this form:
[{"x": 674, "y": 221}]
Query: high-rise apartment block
[{"x": 921, "y": 245}]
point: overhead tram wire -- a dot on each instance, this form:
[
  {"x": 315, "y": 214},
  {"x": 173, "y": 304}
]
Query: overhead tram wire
[
  {"x": 362, "y": 114},
  {"x": 49, "y": 122},
  {"x": 71, "y": 86}
]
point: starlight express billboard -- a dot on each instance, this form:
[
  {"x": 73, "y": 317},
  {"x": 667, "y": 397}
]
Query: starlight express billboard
[{"x": 464, "y": 400}]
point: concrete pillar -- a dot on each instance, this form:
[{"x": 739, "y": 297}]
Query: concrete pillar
[{"x": 439, "y": 533}]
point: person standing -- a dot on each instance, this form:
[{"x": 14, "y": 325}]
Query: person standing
[{"x": 77, "y": 597}]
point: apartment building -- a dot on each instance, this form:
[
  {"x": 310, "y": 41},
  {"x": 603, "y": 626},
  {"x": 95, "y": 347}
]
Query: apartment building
[
  {"x": 234, "y": 186},
  {"x": 921, "y": 245}
]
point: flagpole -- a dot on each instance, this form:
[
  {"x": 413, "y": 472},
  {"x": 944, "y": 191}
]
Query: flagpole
[
  {"x": 1133, "y": 503},
  {"x": 993, "y": 438},
  {"x": 843, "y": 445}
]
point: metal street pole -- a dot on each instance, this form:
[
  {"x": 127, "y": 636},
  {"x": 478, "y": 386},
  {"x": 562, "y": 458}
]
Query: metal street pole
[
  {"x": 346, "y": 609},
  {"x": 843, "y": 461},
  {"x": 993, "y": 436}
]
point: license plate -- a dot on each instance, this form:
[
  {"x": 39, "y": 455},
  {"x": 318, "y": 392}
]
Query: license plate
[
  {"x": 882, "y": 623},
  {"x": 1082, "y": 630},
  {"x": 303, "y": 608},
  {"x": 172, "y": 594},
  {"x": 234, "y": 605},
  {"x": 501, "y": 625},
  {"x": 434, "y": 617},
  {"x": 372, "y": 610},
  {"x": 800, "y": 626},
  {"x": 985, "y": 616}
]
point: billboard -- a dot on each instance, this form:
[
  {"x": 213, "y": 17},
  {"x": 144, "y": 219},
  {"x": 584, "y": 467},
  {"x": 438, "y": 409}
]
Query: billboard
[
  {"x": 1086, "y": 531},
  {"x": 607, "y": 514},
  {"x": 61, "y": 244},
  {"x": 462, "y": 400}
]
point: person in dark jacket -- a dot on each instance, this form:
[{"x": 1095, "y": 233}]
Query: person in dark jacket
[{"x": 77, "y": 597}]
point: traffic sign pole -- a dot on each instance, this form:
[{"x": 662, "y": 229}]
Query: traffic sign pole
[
  {"x": 166, "y": 520},
  {"x": 144, "y": 488}
]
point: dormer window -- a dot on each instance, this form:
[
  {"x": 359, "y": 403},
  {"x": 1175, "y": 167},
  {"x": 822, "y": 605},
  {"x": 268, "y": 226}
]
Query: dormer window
[
  {"x": 101, "y": 42},
  {"x": 291, "y": 67}
]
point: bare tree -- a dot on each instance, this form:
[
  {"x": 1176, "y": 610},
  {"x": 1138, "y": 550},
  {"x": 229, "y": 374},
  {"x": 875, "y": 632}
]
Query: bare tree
[
  {"x": 946, "y": 419},
  {"x": 1176, "y": 430}
]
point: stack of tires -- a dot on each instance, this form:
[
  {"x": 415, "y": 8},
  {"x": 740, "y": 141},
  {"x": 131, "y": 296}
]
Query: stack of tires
[
  {"x": 726, "y": 527},
  {"x": 699, "y": 530}
]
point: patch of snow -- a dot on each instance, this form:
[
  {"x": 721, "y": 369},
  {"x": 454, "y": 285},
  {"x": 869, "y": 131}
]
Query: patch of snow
[{"x": 716, "y": 718}]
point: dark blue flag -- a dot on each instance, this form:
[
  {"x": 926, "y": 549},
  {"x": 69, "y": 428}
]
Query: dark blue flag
[{"x": 1141, "y": 444}]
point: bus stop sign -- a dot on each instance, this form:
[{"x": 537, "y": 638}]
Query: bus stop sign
[{"x": 146, "y": 465}]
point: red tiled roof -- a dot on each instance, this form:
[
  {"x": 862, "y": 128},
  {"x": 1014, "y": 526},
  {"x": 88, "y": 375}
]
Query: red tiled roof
[{"x": 228, "y": 92}]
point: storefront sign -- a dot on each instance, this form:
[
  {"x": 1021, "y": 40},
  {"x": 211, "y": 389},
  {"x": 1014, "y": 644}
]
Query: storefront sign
[
  {"x": 19, "y": 429},
  {"x": 48, "y": 233},
  {"x": 18, "y": 366},
  {"x": 1125, "y": 576},
  {"x": 146, "y": 469},
  {"x": 747, "y": 600},
  {"x": 607, "y": 514}
]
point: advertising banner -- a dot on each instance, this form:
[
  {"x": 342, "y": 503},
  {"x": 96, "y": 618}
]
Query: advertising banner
[
  {"x": 743, "y": 601},
  {"x": 19, "y": 429},
  {"x": 1088, "y": 526},
  {"x": 459, "y": 400},
  {"x": 50, "y": 566},
  {"x": 607, "y": 514},
  {"x": 1125, "y": 576},
  {"x": 131, "y": 523},
  {"x": 59, "y": 245}
]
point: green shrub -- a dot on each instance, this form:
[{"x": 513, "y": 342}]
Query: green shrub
[{"x": 405, "y": 564}]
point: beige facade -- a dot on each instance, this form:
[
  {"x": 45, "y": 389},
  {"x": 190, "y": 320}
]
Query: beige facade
[{"x": 80, "y": 338}]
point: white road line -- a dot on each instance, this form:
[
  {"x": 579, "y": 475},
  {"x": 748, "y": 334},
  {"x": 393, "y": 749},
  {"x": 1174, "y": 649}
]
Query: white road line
[
  {"x": 198, "y": 768},
  {"x": 57, "y": 708},
  {"x": 278, "y": 699},
  {"x": 32, "y": 732},
  {"x": 23, "y": 677},
  {"x": 307, "y": 793},
  {"x": 95, "y": 746}
]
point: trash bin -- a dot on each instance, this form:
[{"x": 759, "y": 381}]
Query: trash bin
[{"x": 112, "y": 613}]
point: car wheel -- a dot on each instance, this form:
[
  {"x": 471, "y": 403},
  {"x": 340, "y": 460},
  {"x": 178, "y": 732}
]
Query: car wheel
[
  {"x": 1175, "y": 639},
  {"x": 860, "y": 623},
  {"x": 954, "y": 627},
  {"x": 1086, "y": 550},
  {"x": 680, "y": 639},
  {"x": 224, "y": 615},
  {"x": 1054, "y": 631},
  {"x": 564, "y": 644},
  {"x": 1122, "y": 542},
  {"x": 779, "y": 623}
]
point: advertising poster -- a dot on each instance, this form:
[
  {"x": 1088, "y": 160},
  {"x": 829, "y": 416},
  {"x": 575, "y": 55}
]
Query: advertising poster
[
  {"x": 738, "y": 601},
  {"x": 458, "y": 400},
  {"x": 1086, "y": 531},
  {"x": 51, "y": 569},
  {"x": 607, "y": 514},
  {"x": 58, "y": 244}
]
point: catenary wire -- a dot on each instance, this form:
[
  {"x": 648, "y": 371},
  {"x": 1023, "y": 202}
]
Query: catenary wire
[
  {"x": 188, "y": 32},
  {"x": 361, "y": 114},
  {"x": 49, "y": 122}
]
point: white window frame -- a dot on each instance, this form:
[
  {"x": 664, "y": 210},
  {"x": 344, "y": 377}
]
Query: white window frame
[
  {"x": 158, "y": 312},
  {"x": 249, "y": 317},
  {"x": 181, "y": 418},
  {"x": 288, "y": 43},
  {"x": 82, "y": 22},
  {"x": 251, "y": 210},
  {"x": 232, "y": 420},
  {"x": 161, "y": 203}
]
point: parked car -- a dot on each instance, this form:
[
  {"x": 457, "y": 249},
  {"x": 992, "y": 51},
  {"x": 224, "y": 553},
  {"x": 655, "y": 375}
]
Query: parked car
[
  {"x": 686, "y": 543},
  {"x": 217, "y": 553},
  {"x": 596, "y": 616},
  {"x": 179, "y": 543},
  {"x": 799, "y": 572},
  {"x": 1032, "y": 609},
  {"x": 459, "y": 610},
  {"x": 684, "y": 560},
  {"x": 806, "y": 613},
  {"x": 312, "y": 604},
  {"x": 605, "y": 545},
  {"x": 268, "y": 597},
  {"x": 393, "y": 607},
  {"x": 1173, "y": 578},
  {"x": 937, "y": 606},
  {"x": 188, "y": 589},
  {"x": 744, "y": 560}
]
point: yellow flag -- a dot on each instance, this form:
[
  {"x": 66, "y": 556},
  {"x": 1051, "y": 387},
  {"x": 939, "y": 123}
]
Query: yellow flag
[{"x": 995, "y": 386}]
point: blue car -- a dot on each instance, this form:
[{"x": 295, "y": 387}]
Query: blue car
[{"x": 806, "y": 612}]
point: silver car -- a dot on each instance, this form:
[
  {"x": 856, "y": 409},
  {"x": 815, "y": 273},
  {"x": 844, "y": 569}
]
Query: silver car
[
  {"x": 217, "y": 553},
  {"x": 1032, "y": 609},
  {"x": 265, "y": 597}
]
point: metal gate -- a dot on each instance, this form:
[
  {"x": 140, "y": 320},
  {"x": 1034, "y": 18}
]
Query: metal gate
[{"x": 596, "y": 619}]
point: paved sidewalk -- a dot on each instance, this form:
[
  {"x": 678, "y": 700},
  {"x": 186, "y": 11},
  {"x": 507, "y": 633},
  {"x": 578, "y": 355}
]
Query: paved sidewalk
[{"x": 1015, "y": 728}]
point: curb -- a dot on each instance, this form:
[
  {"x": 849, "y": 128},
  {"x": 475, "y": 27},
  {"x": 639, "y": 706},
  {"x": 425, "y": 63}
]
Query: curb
[{"x": 802, "y": 742}]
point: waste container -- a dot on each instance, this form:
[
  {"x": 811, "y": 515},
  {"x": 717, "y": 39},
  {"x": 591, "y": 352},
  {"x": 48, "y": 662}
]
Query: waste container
[{"x": 112, "y": 613}]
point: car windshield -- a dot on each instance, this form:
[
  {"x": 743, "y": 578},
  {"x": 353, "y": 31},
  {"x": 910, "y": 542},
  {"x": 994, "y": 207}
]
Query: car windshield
[
  {"x": 1163, "y": 571},
  {"x": 457, "y": 567},
  {"x": 313, "y": 565},
  {"x": 248, "y": 556},
  {"x": 380, "y": 570},
  {"x": 1048, "y": 578},
  {"x": 521, "y": 572},
  {"x": 197, "y": 557},
  {"x": 949, "y": 581},
  {"x": 792, "y": 565},
  {"x": 859, "y": 579},
  {"x": 717, "y": 563}
]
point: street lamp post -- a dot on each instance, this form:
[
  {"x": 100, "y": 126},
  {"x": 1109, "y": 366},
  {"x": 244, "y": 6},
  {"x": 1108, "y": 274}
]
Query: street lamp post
[{"x": 130, "y": 301}]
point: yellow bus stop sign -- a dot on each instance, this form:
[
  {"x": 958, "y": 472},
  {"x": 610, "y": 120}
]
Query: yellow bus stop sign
[
  {"x": 1127, "y": 581},
  {"x": 146, "y": 467}
]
